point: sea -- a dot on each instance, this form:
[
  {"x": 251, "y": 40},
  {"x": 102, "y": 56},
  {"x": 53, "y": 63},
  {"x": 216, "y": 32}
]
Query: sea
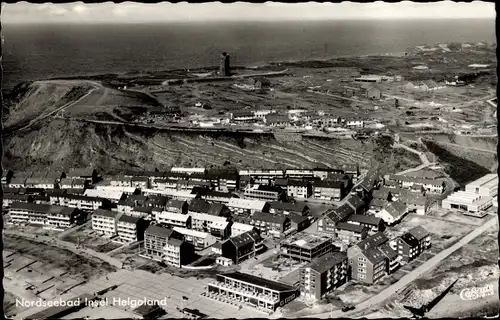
[{"x": 41, "y": 51}]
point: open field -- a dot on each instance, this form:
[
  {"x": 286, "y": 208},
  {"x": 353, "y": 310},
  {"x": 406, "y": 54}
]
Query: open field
[{"x": 90, "y": 239}]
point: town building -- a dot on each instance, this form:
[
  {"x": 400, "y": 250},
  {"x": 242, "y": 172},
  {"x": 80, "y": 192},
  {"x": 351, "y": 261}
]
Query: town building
[
  {"x": 382, "y": 194},
  {"x": 243, "y": 116},
  {"x": 376, "y": 205},
  {"x": 262, "y": 176},
  {"x": 200, "y": 240},
  {"x": 130, "y": 229},
  {"x": 286, "y": 208},
  {"x": 264, "y": 192},
  {"x": 140, "y": 211},
  {"x": 298, "y": 189},
  {"x": 198, "y": 206},
  {"x": 105, "y": 222},
  {"x": 299, "y": 173},
  {"x": 217, "y": 226},
  {"x": 328, "y": 190},
  {"x": 128, "y": 191},
  {"x": 411, "y": 244},
  {"x": 79, "y": 201},
  {"x": 257, "y": 292},
  {"x": 8, "y": 199},
  {"x": 414, "y": 202},
  {"x": 326, "y": 224},
  {"x": 238, "y": 228},
  {"x": 373, "y": 223},
  {"x": 47, "y": 216},
  {"x": 40, "y": 183},
  {"x": 298, "y": 222},
  {"x": 112, "y": 195},
  {"x": 429, "y": 185},
  {"x": 350, "y": 233},
  {"x": 173, "y": 219},
  {"x": 155, "y": 240},
  {"x": 305, "y": 247},
  {"x": 214, "y": 196},
  {"x": 357, "y": 204},
  {"x": 188, "y": 171},
  {"x": 225, "y": 180},
  {"x": 269, "y": 224},
  {"x": 140, "y": 182},
  {"x": 177, "y": 206},
  {"x": 277, "y": 120},
  {"x": 247, "y": 206},
  {"x": 243, "y": 246},
  {"x": 120, "y": 181},
  {"x": 393, "y": 213},
  {"x": 87, "y": 174},
  {"x": 323, "y": 275},
  {"x": 125, "y": 206}
]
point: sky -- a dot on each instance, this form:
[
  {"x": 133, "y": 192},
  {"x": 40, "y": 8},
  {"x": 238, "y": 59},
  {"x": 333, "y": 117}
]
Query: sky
[{"x": 108, "y": 12}]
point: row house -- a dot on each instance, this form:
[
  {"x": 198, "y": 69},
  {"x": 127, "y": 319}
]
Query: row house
[
  {"x": 411, "y": 244},
  {"x": 128, "y": 191},
  {"x": 9, "y": 199},
  {"x": 217, "y": 226},
  {"x": 262, "y": 176},
  {"x": 50, "y": 217},
  {"x": 350, "y": 233},
  {"x": 376, "y": 205},
  {"x": 268, "y": 224},
  {"x": 243, "y": 246},
  {"x": 140, "y": 182},
  {"x": 166, "y": 245},
  {"x": 79, "y": 202},
  {"x": 40, "y": 183},
  {"x": 393, "y": 212},
  {"x": 177, "y": 206},
  {"x": 299, "y": 173},
  {"x": 68, "y": 183},
  {"x": 286, "y": 208},
  {"x": 371, "y": 259},
  {"x": 105, "y": 222},
  {"x": 224, "y": 180},
  {"x": 130, "y": 229},
  {"x": 247, "y": 206},
  {"x": 264, "y": 192},
  {"x": 429, "y": 185},
  {"x": 255, "y": 292},
  {"x": 142, "y": 212},
  {"x": 372, "y": 223},
  {"x": 298, "y": 189},
  {"x": 200, "y": 240},
  {"x": 323, "y": 275},
  {"x": 173, "y": 219},
  {"x": 277, "y": 120},
  {"x": 188, "y": 171},
  {"x": 120, "y": 181},
  {"x": 112, "y": 195},
  {"x": 357, "y": 204},
  {"x": 164, "y": 184},
  {"x": 328, "y": 190},
  {"x": 87, "y": 174}
]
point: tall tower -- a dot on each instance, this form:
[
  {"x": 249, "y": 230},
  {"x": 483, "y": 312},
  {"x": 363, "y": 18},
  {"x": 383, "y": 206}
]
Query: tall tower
[{"x": 224, "y": 68}]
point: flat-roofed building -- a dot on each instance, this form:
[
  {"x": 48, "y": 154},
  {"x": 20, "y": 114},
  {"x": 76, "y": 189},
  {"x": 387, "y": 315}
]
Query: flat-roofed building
[
  {"x": 486, "y": 186},
  {"x": 470, "y": 203},
  {"x": 264, "y": 192},
  {"x": 323, "y": 275},
  {"x": 112, "y": 195},
  {"x": 255, "y": 291},
  {"x": 247, "y": 206},
  {"x": 298, "y": 189},
  {"x": 173, "y": 219},
  {"x": 155, "y": 240},
  {"x": 238, "y": 228},
  {"x": 200, "y": 240},
  {"x": 130, "y": 229},
  {"x": 306, "y": 247},
  {"x": 262, "y": 176},
  {"x": 47, "y": 216},
  {"x": 188, "y": 170},
  {"x": 105, "y": 222},
  {"x": 120, "y": 181},
  {"x": 78, "y": 201},
  {"x": 328, "y": 190},
  {"x": 350, "y": 233},
  {"x": 217, "y": 226}
]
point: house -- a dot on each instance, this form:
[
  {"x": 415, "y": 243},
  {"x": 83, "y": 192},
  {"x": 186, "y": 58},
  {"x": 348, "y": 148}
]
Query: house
[
  {"x": 354, "y": 123},
  {"x": 163, "y": 184},
  {"x": 408, "y": 247},
  {"x": 414, "y": 203},
  {"x": 374, "y": 92},
  {"x": 422, "y": 235},
  {"x": 173, "y": 219},
  {"x": 125, "y": 206},
  {"x": 356, "y": 204},
  {"x": 277, "y": 120},
  {"x": 393, "y": 213},
  {"x": 219, "y": 210},
  {"x": 238, "y": 228},
  {"x": 382, "y": 194},
  {"x": 198, "y": 206},
  {"x": 224, "y": 179},
  {"x": 217, "y": 226},
  {"x": 373, "y": 223},
  {"x": 140, "y": 211},
  {"x": 305, "y": 247},
  {"x": 87, "y": 174},
  {"x": 258, "y": 292},
  {"x": 328, "y": 190},
  {"x": 188, "y": 171},
  {"x": 298, "y": 222},
  {"x": 327, "y": 223},
  {"x": 105, "y": 222},
  {"x": 140, "y": 182},
  {"x": 120, "y": 181},
  {"x": 200, "y": 240},
  {"x": 376, "y": 205},
  {"x": 264, "y": 192},
  {"x": 130, "y": 229},
  {"x": 77, "y": 183},
  {"x": 18, "y": 182},
  {"x": 323, "y": 275},
  {"x": 177, "y": 206},
  {"x": 243, "y": 116},
  {"x": 9, "y": 199},
  {"x": 281, "y": 182},
  {"x": 126, "y": 190},
  {"x": 268, "y": 224},
  {"x": 156, "y": 201},
  {"x": 298, "y": 189},
  {"x": 350, "y": 233},
  {"x": 429, "y": 185},
  {"x": 242, "y": 247},
  {"x": 79, "y": 201},
  {"x": 40, "y": 183},
  {"x": 262, "y": 176},
  {"x": 368, "y": 266},
  {"x": 247, "y": 206},
  {"x": 392, "y": 257},
  {"x": 213, "y": 196},
  {"x": 298, "y": 208}
]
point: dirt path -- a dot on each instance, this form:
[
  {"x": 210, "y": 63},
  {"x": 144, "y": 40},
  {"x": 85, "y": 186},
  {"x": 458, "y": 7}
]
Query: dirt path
[
  {"x": 411, "y": 276},
  {"x": 423, "y": 158}
]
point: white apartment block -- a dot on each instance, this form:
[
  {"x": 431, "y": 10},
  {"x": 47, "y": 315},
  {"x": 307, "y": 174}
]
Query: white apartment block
[
  {"x": 173, "y": 219},
  {"x": 105, "y": 222},
  {"x": 238, "y": 228},
  {"x": 127, "y": 229},
  {"x": 468, "y": 202}
]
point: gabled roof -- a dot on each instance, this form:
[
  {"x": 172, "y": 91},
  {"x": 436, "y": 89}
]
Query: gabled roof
[
  {"x": 129, "y": 219},
  {"x": 216, "y": 209},
  {"x": 105, "y": 213},
  {"x": 281, "y": 182},
  {"x": 268, "y": 217},
  {"x": 387, "y": 251},
  {"x": 327, "y": 261},
  {"x": 374, "y": 255},
  {"x": 80, "y": 172},
  {"x": 378, "y": 203},
  {"x": 328, "y": 184},
  {"x": 344, "y": 211},
  {"x": 365, "y": 219},
  {"x": 143, "y": 209},
  {"x": 288, "y": 206},
  {"x": 350, "y": 227},
  {"x": 382, "y": 194},
  {"x": 356, "y": 202},
  {"x": 372, "y": 241},
  {"x": 178, "y": 204},
  {"x": 242, "y": 240},
  {"x": 410, "y": 240},
  {"x": 396, "y": 209},
  {"x": 199, "y": 205},
  {"x": 297, "y": 218},
  {"x": 419, "y": 232}
]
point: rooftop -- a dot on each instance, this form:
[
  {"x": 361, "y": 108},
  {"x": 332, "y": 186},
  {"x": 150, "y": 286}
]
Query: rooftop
[
  {"x": 350, "y": 227},
  {"x": 365, "y": 219},
  {"x": 327, "y": 261},
  {"x": 372, "y": 241},
  {"x": 105, "y": 213},
  {"x": 261, "y": 282},
  {"x": 193, "y": 233},
  {"x": 156, "y": 230},
  {"x": 247, "y": 204},
  {"x": 306, "y": 240},
  {"x": 288, "y": 206},
  {"x": 129, "y": 219},
  {"x": 419, "y": 232},
  {"x": 396, "y": 209},
  {"x": 409, "y": 239}
]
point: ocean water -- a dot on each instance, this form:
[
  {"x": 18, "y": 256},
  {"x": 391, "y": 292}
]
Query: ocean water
[{"x": 40, "y": 51}]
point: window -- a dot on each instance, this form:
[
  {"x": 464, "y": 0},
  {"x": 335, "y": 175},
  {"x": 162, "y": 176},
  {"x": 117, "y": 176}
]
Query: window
[
  {"x": 362, "y": 259},
  {"x": 361, "y": 264},
  {"x": 361, "y": 276},
  {"x": 361, "y": 270}
]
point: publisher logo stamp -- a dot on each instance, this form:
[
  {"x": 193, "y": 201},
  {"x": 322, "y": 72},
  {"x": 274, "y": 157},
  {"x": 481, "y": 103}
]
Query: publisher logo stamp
[{"x": 477, "y": 293}]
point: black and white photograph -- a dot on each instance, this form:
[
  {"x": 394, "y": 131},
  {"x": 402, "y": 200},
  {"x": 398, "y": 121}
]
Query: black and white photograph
[{"x": 249, "y": 160}]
